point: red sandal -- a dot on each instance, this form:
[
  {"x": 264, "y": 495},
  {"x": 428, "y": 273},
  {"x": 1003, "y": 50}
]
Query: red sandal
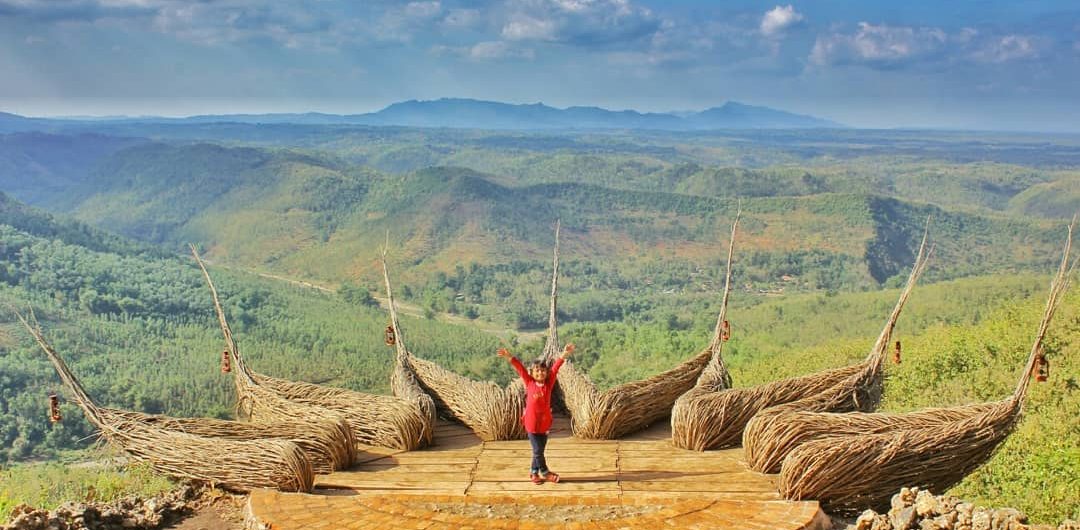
[
  {"x": 536, "y": 479},
  {"x": 552, "y": 477}
]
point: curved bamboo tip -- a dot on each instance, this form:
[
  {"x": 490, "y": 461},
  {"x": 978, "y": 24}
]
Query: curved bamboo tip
[
  {"x": 242, "y": 374},
  {"x": 26, "y": 321},
  {"x": 551, "y": 348},
  {"x": 718, "y": 332},
  {"x": 82, "y": 398},
  {"x": 715, "y": 373},
  {"x": 1058, "y": 286},
  {"x": 399, "y": 339},
  {"x": 922, "y": 258}
]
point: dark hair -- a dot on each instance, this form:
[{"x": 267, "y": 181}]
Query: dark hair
[{"x": 539, "y": 363}]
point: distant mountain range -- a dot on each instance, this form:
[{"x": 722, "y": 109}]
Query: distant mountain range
[{"x": 477, "y": 114}]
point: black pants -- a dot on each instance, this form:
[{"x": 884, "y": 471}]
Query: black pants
[{"x": 539, "y": 463}]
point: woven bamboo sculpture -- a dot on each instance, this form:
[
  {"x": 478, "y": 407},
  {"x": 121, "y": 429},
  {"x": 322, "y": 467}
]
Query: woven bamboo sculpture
[
  {"x": 855, "y": 461},
  {"x": 261, "y": 404},
  {"x": 855, "y": 388},
  {"x": 635, "y": 405},
  {"x": 384, "y": 421},
  {"x": 232, "y": 455},
  {"x": 491, "y": 411}
]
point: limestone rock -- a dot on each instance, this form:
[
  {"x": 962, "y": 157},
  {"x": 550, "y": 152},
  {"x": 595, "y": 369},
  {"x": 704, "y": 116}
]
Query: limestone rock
[
  {"x": 903, "y": 519},
  {"x": 917, "y": 509},
  {"x": 926, "y": 504},
  {"x": 126, "y": 513},
  {"x": 869, "y": 520}
]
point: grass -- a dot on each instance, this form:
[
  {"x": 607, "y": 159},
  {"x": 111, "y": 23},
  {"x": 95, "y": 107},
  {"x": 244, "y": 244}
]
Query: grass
[{"x": 48, "y": 485}]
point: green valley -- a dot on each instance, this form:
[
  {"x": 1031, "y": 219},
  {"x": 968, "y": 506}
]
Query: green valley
[{"x": 830, "y": 223}]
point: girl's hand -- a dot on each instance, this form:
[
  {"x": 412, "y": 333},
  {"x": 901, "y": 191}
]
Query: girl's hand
[
  {"x": 503, "y": 352},
  {"x": 568, "y": 349}
]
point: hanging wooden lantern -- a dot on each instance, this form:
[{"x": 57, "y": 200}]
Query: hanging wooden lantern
[
  {"x": 226, "y": 364},
  {"x": 725, "y": 331},
  {"x": 391, "y": 339},
  {"x": 896, "y": 353},
  {"x": 1042, "y": 369},
  {"x": 54, "y": 408}
]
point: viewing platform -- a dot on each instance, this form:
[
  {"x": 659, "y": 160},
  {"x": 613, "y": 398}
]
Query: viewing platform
[{"x": 641, "y": 481}]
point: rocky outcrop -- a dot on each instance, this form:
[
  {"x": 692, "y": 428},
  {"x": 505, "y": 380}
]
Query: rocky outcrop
[
  {"x": 916, "y": 509},
  {"x": 123, "y": 514}
]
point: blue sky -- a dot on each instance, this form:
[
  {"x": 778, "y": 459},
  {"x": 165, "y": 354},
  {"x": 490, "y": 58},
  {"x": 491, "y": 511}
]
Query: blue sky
[{"x": 980, "y": 64}]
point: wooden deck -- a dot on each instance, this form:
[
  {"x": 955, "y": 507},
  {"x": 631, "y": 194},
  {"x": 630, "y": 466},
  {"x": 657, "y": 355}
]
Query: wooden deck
[{"x": 714, "y": 489}]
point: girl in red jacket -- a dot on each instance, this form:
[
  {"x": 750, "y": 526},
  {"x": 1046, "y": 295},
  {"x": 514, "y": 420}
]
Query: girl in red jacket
[{"x": 539, "y": 383}]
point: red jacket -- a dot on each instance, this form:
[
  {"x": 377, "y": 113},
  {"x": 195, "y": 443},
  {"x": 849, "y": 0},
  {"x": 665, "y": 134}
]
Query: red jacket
[{"x": 537, "y": 416}]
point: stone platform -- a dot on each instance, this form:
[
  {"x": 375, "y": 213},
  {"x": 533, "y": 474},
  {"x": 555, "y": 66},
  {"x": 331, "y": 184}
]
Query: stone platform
[{"x": 638, "y": 482}]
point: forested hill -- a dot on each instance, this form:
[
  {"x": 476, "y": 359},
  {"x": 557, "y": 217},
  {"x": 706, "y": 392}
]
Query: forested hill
[
  {"x": 310, "y": 215},
  {"x": 139, "y": 329},
  {"x": 643, "y": 216},
  {"x": 38, "y": 223}
]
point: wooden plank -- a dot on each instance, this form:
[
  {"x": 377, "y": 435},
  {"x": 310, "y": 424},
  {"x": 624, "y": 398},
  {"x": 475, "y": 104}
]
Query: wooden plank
[
  {"x": 518, "y": 485},
  {"x": 746, "y": 478},
  {"x": 525, "y": 446},
  {"x": 567, "y": 476},
  {"x": 683, "y": 495},
  {"x": 411, "y": 468},
  {"x": 431, "y": 457},
  {"x": 698, "y": 486},
  {"x": 443, "y": 451},
  {"x": 567, "y": 464},
  {"x": 545, "y": 491},
  {"x": 460, "y": 462},
  {"x": 499, "y": 456},
  {"x": 590, "y": 467},
  {"x": 718, "y": 460},
  {"x": 447, "y": 474},
  {"x": 503, "y": 456},
  {"x": 448, "y": 487}
]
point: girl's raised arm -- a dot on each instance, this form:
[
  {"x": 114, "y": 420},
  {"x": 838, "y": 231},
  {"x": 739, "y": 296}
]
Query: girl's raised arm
[
  {"x": 520, "y": 368},
  {"x": 567, "y": 350}
]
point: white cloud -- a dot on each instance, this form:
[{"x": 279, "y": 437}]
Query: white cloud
[
  {"x": 400, "y": 24},
  {"x": 884, "y": 46},
  {"x": 779, "y": 19},
  {"x": 485, "y": 51},
  {"x": 586, "y": 23},
  {"x": 523, "y": 27},
  {"x": 423, "y": 9},
  {"x": 498, "y": 50},
  {"x": 462, "y": 18},
  {"x": 211, "y": 24},
  {"x": 1008, "y": 48},
  {"x": 878, "y": 44},
  {"x": 128, "y": 3},
  {"x": 966, "y": 35}
]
